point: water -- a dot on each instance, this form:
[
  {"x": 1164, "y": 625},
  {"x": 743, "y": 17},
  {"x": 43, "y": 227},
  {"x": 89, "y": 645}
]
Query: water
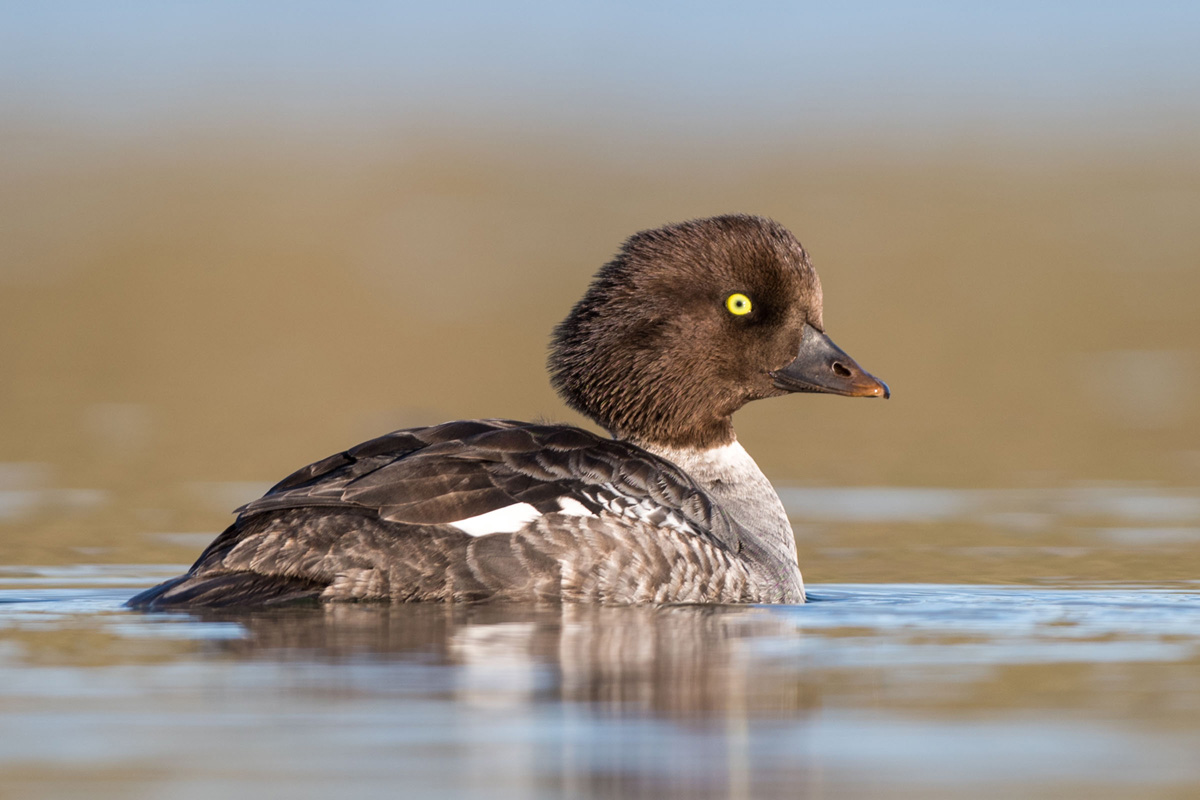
[{"x": 897, "y": 690}]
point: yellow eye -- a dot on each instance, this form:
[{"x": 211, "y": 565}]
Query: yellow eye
[{"x": 738, "y": 304}]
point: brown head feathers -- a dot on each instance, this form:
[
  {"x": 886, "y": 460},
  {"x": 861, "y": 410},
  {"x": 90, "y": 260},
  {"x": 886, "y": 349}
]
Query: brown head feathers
[{"x": 661, "y": 350}]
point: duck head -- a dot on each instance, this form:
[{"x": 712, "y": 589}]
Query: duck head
[{"x": 692, "y": 321}]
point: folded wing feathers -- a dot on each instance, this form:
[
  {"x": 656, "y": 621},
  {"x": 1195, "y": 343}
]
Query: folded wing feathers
[
  {"x": 464, "y": 469},
  {"x": 376, "y": 522}
]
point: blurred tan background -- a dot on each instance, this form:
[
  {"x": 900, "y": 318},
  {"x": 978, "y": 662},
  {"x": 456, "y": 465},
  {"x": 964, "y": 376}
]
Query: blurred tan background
[{"x": 235, "y": 241}]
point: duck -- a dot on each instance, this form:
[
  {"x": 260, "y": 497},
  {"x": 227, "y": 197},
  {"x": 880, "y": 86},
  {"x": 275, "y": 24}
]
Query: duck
[{"x": 684, "y": 326}]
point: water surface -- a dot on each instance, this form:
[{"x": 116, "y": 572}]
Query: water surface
[{"x": 897, "y": 690}]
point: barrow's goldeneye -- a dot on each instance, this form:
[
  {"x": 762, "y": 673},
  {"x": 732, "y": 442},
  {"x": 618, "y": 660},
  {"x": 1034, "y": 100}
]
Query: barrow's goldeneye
[{"x": 682, "y": 328}]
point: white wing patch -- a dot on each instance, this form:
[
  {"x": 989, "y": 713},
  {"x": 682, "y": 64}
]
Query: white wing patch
[
  {"x": 572, "y": 507},
  {"x": 511, "y": 519},
  {"x": 508, "y": 519}
]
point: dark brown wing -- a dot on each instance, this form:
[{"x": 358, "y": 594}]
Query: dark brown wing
[{"x": 451, "y": 472}]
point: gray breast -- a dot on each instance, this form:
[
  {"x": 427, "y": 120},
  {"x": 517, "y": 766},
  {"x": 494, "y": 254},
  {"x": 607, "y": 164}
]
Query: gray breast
[{"x": 732, "y": 479}]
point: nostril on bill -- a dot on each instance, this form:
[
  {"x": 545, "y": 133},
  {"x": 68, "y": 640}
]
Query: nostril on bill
[{"x": 840, "y": 369}]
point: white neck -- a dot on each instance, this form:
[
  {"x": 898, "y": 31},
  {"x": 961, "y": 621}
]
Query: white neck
[{"x": 731, "y": 477}]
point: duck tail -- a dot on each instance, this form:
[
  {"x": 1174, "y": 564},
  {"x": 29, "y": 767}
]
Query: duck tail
[{"x": 223, "y": 589}]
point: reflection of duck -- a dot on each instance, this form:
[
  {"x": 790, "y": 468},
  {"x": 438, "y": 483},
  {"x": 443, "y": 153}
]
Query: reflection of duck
[
  {"x": 685, "y": 326},
  {"x": 673, "y": 661}
]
